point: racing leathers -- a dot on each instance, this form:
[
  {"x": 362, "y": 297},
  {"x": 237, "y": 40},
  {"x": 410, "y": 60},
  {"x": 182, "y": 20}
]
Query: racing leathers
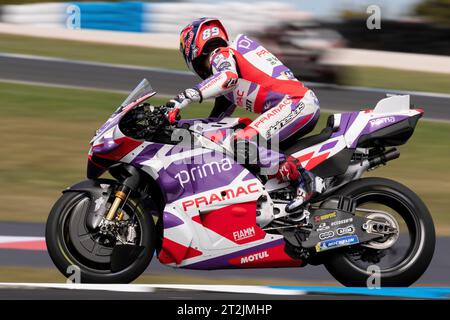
[{"x": 247, "y": 75}]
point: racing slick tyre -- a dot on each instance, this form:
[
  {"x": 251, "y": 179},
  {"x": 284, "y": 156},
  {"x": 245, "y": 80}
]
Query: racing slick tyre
[
  {"x": 396, "y": 261},
  {"x": 72, "y": 245}
]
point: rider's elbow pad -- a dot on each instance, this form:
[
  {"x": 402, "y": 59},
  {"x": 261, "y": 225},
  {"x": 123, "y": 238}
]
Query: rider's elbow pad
[{"x": 218, "y": 85}]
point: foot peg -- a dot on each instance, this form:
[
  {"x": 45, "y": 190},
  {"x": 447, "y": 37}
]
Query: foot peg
[{"x": 302, "y": 216}]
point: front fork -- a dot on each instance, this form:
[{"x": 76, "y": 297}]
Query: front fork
[
  {"x": 130, "y": 179},
  {"x": 121, "y": 196}
]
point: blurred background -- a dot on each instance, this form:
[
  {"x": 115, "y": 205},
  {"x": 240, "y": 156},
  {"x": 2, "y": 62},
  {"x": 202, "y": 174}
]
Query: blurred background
[{"x": 65, "y": 66}]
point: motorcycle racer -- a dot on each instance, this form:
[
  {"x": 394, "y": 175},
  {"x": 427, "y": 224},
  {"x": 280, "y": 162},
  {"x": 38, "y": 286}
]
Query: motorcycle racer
[{"x": 243, "y": 73}]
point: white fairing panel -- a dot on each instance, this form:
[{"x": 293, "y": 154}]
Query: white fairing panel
[{"x": 393, "y": 104}]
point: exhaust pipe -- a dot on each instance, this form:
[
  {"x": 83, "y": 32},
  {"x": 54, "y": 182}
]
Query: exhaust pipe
[{"x": 386, "y": 156}]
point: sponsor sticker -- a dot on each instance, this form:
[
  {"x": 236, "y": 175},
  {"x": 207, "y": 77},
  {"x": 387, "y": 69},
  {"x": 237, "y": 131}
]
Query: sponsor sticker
[
  {"x": 345, "y": 230},
  {"x": 287, "y": 74},
  {"x": 197, "y": 173},
  {"x": 244, "y": 234},
  {"x": 255, "y": 257},
  {"x": 218, "y": 197},
  {"x": 336, "y": 243},
  {"x": 339, "y": 222},
  {"x": 382, "y": 121},
  {"x": 326, "y": 235},
  {"x": 323, "y": 227},
  {"x": 326, "y": 216}
]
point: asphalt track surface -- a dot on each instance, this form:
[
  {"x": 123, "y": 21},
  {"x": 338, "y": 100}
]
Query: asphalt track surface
[
  {"x": 438, "y": 273},
  {"x": 125, "y": 78}
]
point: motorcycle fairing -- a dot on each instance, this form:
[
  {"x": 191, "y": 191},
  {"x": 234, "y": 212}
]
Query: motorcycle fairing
[
  {"x": 210, "y": 205},
  {"x": 210, "y": 214},
  {"x": 354, "y": 125}
]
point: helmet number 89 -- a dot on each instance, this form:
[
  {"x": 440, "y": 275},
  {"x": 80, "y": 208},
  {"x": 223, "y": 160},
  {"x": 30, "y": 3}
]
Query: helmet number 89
[{"x": 210, "y": 32}]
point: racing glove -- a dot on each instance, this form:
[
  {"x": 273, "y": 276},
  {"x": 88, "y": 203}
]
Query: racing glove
[
  {"x": 180, "y": 101},
  {"x": 173, "y": 115}
]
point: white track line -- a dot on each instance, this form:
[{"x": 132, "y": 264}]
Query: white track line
[
  {"x": 80, "y": 286},
  {"x": 231, "y": 288},
  {"x": 152, "y": 287},
  {"x": 15, "y": 239}
]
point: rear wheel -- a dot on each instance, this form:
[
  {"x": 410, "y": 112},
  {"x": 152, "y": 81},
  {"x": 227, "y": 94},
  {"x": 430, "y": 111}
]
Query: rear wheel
[
  {"x": 399, "y": 259},
  {"x": 70, "y": 242}
]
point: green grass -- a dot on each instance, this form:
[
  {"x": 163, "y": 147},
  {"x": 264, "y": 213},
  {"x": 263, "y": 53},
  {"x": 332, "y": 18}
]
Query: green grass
[
  {"x": 171, "y": 59},
  {"x": 395, "y": 79},
  {"x": 45, "y": 135},
  {"x": 77, "y": 50}
]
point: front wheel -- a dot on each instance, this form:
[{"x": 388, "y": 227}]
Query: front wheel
[
  {"x": 398, "y": 260},
  {"x": 72, "y": 245}
]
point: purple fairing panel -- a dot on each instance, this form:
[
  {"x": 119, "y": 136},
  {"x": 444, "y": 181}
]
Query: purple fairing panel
[
  {"x": 373, "y": 125},
  {"x": 198, "y": 174},
  {"x": 328, "y": 146},
  {"x": 347, "y": 119},
  {"x": 267, "y": 154},
  {"x": 147, "y": 153},
  {"x": 220, "y": 132},
  {"x": 107, "y": 146},
  {"x": 170, "y": 220},
  {"x": 170, "y": 186},
  {"x": 249, "y": 176},
  {"x": 269, "y": 158},
  {"x": 222, "y": 262}
]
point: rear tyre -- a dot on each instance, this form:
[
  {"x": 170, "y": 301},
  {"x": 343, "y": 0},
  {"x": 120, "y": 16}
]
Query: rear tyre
[
  {"x": 405, "y": 268},
  {"x": 87, "y": 252}
]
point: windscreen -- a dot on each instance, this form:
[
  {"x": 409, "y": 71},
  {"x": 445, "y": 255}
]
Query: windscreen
[
  {"x": 142, "y": 92},
  {"x": 142, "y": 89}
]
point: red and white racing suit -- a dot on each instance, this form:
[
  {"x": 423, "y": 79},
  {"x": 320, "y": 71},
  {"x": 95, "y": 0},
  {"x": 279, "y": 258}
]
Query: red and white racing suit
[{"x": 249, "y": 76}]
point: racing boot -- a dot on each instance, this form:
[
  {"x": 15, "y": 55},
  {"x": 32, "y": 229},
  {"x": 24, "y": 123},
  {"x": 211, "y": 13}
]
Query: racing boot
[{"x": 308, "y": 184}]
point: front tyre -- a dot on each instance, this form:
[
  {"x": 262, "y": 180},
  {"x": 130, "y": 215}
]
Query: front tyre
[
  {"x": 400, "y": 263},
  {"x": 70, "y": 243}
]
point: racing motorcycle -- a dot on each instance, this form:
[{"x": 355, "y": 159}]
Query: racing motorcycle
[{"x": 177, "y": 193}]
